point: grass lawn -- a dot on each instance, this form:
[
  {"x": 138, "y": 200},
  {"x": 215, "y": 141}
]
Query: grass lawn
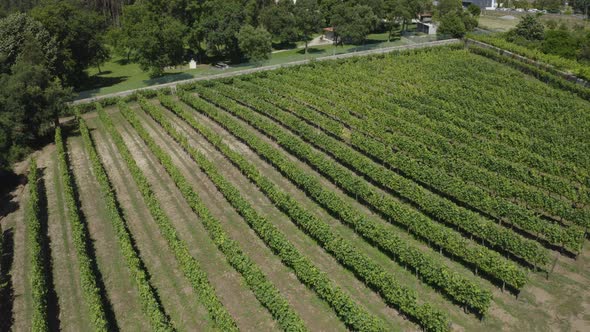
[{"x": 117, "y": 75}]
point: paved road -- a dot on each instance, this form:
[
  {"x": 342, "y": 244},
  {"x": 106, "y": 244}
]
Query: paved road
[{"x": 173, "y": 85}]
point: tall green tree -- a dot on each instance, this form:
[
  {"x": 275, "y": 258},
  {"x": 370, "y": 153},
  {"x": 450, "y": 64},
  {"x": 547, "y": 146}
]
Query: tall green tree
[
  {"x": 220, "y": 25},
  {"x": 16, "y": 30},
  {"x": 31, "y": 99},
  {"x": 352, "y": 22},
  {"x": 530, "y": 28},
  {"x": 155, "y": 39},
  {"x": 308, "y": 18},
  {"x": 255, "y": 43},
  {"x": 279, "y": 19},
  {"x": 78, "y": 32}
]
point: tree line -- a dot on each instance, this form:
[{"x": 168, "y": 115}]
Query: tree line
[{"x": 46, "y": 46}]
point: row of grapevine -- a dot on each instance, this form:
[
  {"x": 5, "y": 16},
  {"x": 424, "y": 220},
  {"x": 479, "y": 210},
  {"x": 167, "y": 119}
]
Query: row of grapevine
[
  {"x": 147, "y": 294},
  {"x": 433, "y": 204},
  {"x": 189, "y": 265},
  {"x": 570, "y": 237},
  {"x": 435, "y": 234},
  {"x": 267, "y": 293},
  {"x": 499, "y": 105},
  {"x": 426, "y": 267},
  {"x": 38, "y": 275},
  {"x": 569, "y": 65},
  {"x": 95, "y": 302},
  {"x": 353, "y": 316},
  {"x": 542, "y": 75},
  {"x": 370, "y": 272},
  {"x": 387, "y": 118},
  {"x": 421, "y": 109}
]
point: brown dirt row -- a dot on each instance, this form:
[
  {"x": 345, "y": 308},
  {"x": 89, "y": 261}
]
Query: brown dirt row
[
  {"x": 175, "y": 292},
  {"x": 305, "y": 244},
  {"x": 316, "y": 313},
  {"x": 506, "y": 308},
  {"x": 119, "y": 285},
  {"x": 229, "y": 284}
]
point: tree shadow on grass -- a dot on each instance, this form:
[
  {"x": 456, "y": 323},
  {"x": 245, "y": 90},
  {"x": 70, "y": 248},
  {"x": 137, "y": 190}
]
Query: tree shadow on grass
[
  {"x": 168, "y": 78},
  {"x": 311, "y": 50},
  {"x": 95, "y": 82}
]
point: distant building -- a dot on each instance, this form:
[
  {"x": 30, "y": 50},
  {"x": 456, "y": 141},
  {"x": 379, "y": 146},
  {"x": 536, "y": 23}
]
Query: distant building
[
  {"x": 329, "y": 33},
  {"x": 424, "y": 24},
  {"x": 484, "y": 4}
]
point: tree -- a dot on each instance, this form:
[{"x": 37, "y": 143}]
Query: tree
[
  {"x": 156, "y": 39},
  {"x": 474, "y": 9},
  {"x": 280, "y": 21},
  {"x": 449, "y": 6},
  {"x": 255, "y": 43},
  {"x": 219, "y": 28},
  {"x": 560, "y": 42},
  {"x": 308, "y": 19},
  {"x": 352, "y": 23},
  {"x": 529, "y": 28},
  {"x": 31, "y": 99},
  {"x": 77, "y": 31},
  {"x": 16, "y": 30},
  {"x": 453, "y": 25}
]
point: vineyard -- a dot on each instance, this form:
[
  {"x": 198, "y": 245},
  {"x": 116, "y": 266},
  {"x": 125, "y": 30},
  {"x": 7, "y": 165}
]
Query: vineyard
[{"x": 431, "y": 189}]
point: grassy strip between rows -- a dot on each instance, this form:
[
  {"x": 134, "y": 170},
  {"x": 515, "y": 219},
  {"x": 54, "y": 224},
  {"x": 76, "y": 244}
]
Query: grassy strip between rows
[
  {"x": 147, "y": 294},
  {"x": 38, "y": 275},
  {"x": 390, "y": 124},
  {"x": 189, "y": 265},
  {"x": 426, "y": 267},
  {"x": 480, "y": 257},
  {"x": 533, "y": 70},
  {"x": 353, "y": 316},
  {"x": 377, "y": 278},
  {"x": 96, "y": 304},
  {"x": 571, "y": 237},
  {"x": 268, "y": 295}
]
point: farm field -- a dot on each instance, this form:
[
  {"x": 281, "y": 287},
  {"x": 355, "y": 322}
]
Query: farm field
[{"x": 431, "y": 190}]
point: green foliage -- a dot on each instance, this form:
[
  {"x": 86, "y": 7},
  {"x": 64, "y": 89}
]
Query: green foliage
[
  {"x": 190, "y": 266},
  {"x": 571, "y": 66},
  {"x": 453, "y": 25},
  {"x": 309, "y": 274},
  {"x": 529, "y": 27},
  {"x": 81, "y": 239},
  {"x": 418, "y": 224},
  {"x": 38, "y": 275},
  {"x": 77, "y": 31},
  {"x": 308, "y": 19},
  {"x": 18, "y": 29},
  {"x": 461, "y": 289},
  {"x": 255, "y": 43},
  {"x": 219, "y": 28},
  {"x": 280, "y": 21},
  {"x": 352, "y": 22},
  {"x": 155, "y": 39},
  {"x": 474, "y": 9},
  {"x": 561, "y": 43},
  {"x": 147, "y": 294},
  {"x": 30, "y": 99},
  {"x": 377, "y": 137}
]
